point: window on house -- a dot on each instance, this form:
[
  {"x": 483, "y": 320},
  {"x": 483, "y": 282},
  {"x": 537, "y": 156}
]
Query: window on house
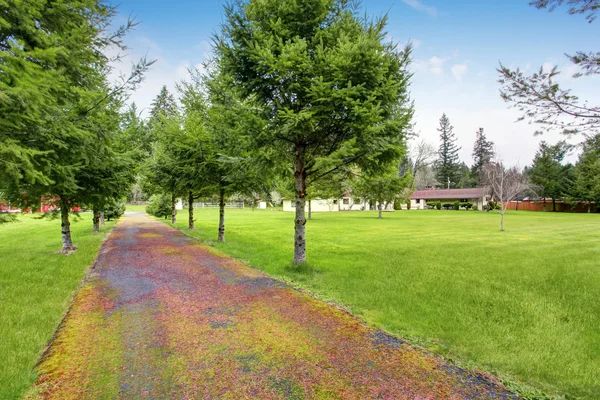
[
  {"x": 346, "y": 201},
  {"x": 418, "y": 201},
  {"x": 335, "y": 202},
  {"x": 464, "y": 200}
]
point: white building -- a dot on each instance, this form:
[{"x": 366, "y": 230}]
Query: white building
[
  {"x": 347, "y": 203},
  {"x": 477, "y": 196}
]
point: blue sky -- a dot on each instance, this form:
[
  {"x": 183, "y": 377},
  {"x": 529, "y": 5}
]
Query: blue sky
[{"x": 457, "y": 47}]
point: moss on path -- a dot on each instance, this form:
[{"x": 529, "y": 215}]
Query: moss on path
[{"x": 162, "y": 316}]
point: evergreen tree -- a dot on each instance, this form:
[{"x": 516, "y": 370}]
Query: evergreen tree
[
  {"x": 466, "y": 178},
  {"x": 230, "y": 164},
  {"x": 383, "y": 189},
  {"x": 447, "y": 166},
  {"x": 163, "y": 108},
  {"x": 483, "y": 153},
  {"x": 332, "y": 91},
  {"x": 547, "y": 172},
  {"x": 106, "y": 177},
  {"x": 164, "y": 170},
  {"x": 164, "y": 105},
  {"x": 54, "y": 89},
  {"x": 587, "y": 173}
]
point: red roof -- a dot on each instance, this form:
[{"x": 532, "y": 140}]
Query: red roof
[{"x": 433, "y": 194}]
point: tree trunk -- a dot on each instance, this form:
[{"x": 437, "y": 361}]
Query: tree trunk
[
  {"x": 309, "y": 210},
  {"x": 221, "y": 237},
  {"x": 191, "y": 211},
  {"x": 96, "y": 219},
  {"x": 102, "y": 218},
  {"x": 65, "y": 226},
  {"x": 589, "y": 208},
  {"x": 173, "y": 209},
  {"x": 502, "y": 220},
  {"x": 300, "y": 221},
  {"x": 379, "y": 206},
  {"x": 553, "y": 204},
  {"x": 544, "y": 203}
]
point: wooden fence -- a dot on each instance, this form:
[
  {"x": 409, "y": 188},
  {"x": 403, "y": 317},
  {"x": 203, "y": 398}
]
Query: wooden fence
[{"x": 561, "y": 206}]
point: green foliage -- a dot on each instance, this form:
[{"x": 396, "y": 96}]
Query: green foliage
[
  {"x": 446, "y": 206},
  {"x": 492, "y": 205},
  {"x": 434, "y": 204},
  {"x": 483, "y": 152},
  {"x": 163, "y": 107},
  {"x": 408, "y": 204},
  {"x": 587, "y": 172},
  {"x": 333, "y": 92},
  {"x": 552, "y": 179},
  {"x": 448, "y": 165},
  {"x": 159, "y": 205},
  {"x": 58, "y": 115},
  {"x": 466, "y": 205},
  {"x": 456, "y": 205},
  {"x": 475, "y": 208},
  {"x": 466, "y": 178},
  {"x": 383, "y": 189},
  {"x": 114, "y": 209}
]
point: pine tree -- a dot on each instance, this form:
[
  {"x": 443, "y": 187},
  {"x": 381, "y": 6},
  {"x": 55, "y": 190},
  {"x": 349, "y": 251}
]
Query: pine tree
[
  {"x": 230, "y": 164},
  {"x": 334, "y": 93},
  {"x": 164, "y": 104},
  {"x": 547, "y": 172},
  {"x": 54, "y": 91},
  {"x": 587, "y": 173},
  {"x": 447, "y": 166},
  {"x": 483, "y": 153}
]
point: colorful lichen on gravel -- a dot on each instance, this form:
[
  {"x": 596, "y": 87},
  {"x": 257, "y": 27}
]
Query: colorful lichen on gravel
[{"x": 162, "y": 316}]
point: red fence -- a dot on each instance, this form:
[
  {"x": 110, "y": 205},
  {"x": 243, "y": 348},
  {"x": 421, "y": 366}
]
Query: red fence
[{"x": 561, "y": 206}]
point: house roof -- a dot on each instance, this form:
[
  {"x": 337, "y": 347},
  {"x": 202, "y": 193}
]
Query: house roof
[{"x": 432, "y": 194}]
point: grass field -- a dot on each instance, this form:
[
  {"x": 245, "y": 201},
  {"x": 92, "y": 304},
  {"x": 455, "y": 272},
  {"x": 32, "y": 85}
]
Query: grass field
[
  {"x": 36, "y": 287},
  {"x": 523, "y": 303}
]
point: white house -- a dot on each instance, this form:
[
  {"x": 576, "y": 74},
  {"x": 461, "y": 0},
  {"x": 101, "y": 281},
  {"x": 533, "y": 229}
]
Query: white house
[
  {"x": 316, "y": 205},
  {"x": 346, "y": 203},
  {"x": 476, "y": 196}
]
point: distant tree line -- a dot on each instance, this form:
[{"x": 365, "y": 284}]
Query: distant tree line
[{"x": 548, "y": 177}]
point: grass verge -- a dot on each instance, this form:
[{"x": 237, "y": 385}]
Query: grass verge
[{"x": 36, "y": 288}]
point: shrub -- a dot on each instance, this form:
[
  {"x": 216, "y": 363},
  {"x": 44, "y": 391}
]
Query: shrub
[
  {"x": 408, "y": 204},
  {"x": 475, "y": 208},
  {"x": 114, "y": 209},
  {"x": 159, "y": 206},
  {"x": 438, "y": 205},
  {"x": 456, "y": 205},
  {"x": 446, "y": 206},
  {"x": 466, "y": 205},
  {"x": 397, "y": 204}
]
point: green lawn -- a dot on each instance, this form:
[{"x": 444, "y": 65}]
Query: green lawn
[
  {"x": 524, "y": 303},
  {"x": 36, "y": 287}
]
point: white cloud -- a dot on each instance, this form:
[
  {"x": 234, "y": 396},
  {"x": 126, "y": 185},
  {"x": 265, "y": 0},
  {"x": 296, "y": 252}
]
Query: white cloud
[
  {"x": 418, "y": 5},
  {"x": 459, "y": 70},
  {"x": 436, "y": 64}
]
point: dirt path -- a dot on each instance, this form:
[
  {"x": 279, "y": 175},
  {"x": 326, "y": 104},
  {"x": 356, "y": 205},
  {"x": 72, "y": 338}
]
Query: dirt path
[{"x": 164, "y": 317}]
